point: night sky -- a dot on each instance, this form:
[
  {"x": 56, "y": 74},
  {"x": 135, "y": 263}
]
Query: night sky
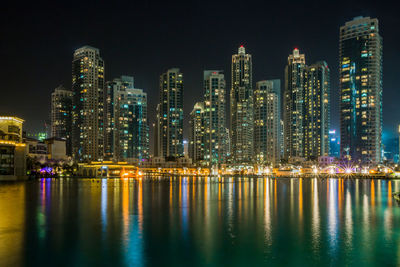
[{"x": 144, "y": 38}]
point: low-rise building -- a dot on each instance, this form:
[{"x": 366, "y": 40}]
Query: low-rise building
[
  {"x": 56, "y": 148},
  {"x": 12, "y": 150},
  {"x": 325, "y": 160}
]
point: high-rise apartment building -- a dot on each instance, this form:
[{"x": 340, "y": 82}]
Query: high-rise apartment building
[
  {"x": 132, "y": 131},
  {"x": 156, "y": 133},
  {"x": 170, "y": 137},
  {"x": 214, "y": 117},
  {"x": 242, "y": 108},
  {"x": 306, "y": 108},
  {"x": 316, "y": 110},
  {"x": 61, "y": 116},
  {"x": 88, "y": 104},
  {"x": 196, "y": 135},
  {"x": 293, "y": 105},
  {"x": 267, "y": 120},
  {"x": 127, "y": 132},
  {"x": 112, "y": 90},
  {"x": 360, "y": 70}
]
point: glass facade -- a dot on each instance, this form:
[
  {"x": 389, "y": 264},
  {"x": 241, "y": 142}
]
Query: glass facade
[{"x": 360, "y": 55}]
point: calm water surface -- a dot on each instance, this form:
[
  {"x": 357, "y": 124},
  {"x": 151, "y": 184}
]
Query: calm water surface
[{"x": 199, "y": 221}]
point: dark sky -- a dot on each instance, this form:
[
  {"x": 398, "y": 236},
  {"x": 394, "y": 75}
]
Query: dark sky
[{"x": 144, "y": 38}]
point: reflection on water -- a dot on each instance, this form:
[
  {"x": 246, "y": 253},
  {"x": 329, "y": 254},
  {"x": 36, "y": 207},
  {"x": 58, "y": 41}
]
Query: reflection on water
[{"x": 221, "y": 221}]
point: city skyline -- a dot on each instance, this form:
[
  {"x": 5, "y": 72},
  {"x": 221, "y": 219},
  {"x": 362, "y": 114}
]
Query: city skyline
[{"x": 193, "y": 56}]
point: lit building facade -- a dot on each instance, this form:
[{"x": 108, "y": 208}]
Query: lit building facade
[
  {"x": 112, "y": 90},
  {"x": 170, "y": 137},
  {"x": 132, "y": 131},
  {"x": 316, "y": 110},
  {"x": 334, "y": 141},
  {"x": 214, "y": 117},
  {"x": 196, "y": 135},
  {"x": 12, "y": 149},
  {"x": 242, "y": 113},
  {"x": 293, "y": 105},
  {"x": 127, "y": 131},
  {"x": 88, "y": 104},
  {"x": 360, "y": 69},
  {"x": 267, "y": 132},
  {"x": 61, "y": 116}
]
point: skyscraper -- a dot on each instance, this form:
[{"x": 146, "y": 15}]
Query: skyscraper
[
  {"x": 293, "y": 105},
  {"x": 360, "y": 61},
  {"x": 214, "y": 117},
  {"x": 170, "y": 131},
  {"x": 127, "y": 132},
  {"x": 132, "y": 131},
  {"x": 242, "y": 107},
  {"x": 61, "y": 116},
  {"x": 196, "y": 135},
  {"x": 316, "y": 110},
  {"x": 112, "y": 90},
  {"x": 267, "y": 120},
  {"x": 157, "y": 134},
  {"x": 88, "y": 104}
]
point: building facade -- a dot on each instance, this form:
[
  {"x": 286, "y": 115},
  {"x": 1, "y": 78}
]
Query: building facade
[
  {"x": 267, "y": 132},
  {"x": 88, "y": 120},
  {"x": 293, "y": 105},
  {"x": 131, "y": 129},
  {"x": 360, "y": 84},
  {"x": 316, "y": 110},
  {"x": 127, "y": 131},
  {"x": 242, "y": 108},
  {"x": 12, "y": 149},
  {"x": 170, "y": 132},
  {"x": 61, "y": 116},
  {"x": 196, "y": 135},
  {"x": 214, "y": 117}
]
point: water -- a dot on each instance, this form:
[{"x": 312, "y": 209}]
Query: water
[{"x": 199, "y": 221}]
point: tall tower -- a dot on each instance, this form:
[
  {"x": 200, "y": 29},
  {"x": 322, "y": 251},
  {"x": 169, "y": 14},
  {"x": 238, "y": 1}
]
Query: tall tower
[
  {"x": 293, "y": 105},
  {"x": 316, "y": 110},
  {"x": 61, "y": 116},
  {"x": 132, "y": 131},
  {"x": 157, "y": 134},
  {"x": 360, "y": 70},
  {"x": 127, "y": 132},
  {"x": 110, "y": 112},
  {"x": 267, "y": 122},
  {"x": 88, "y": 104},
  {"x": 214, "y": 117},
  {"x": 242, "y": 107},
  {"x": 196, "y": 135},
  {"x": 171, "y": 114}
]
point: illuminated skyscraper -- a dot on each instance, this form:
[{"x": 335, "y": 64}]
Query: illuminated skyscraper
[
  {"x": 293, "y": 105},
  {"x": 61, "y": 116},
  {"x": 156, "y": 134},
  {"x": 214, "y": 117},
  {"x": 360, "y": 61},
  {"x": 127, "y": 132},
  {"x": 196, "y": 135},
  {"x": 267, "y": 139},
  {"x": 132, "y": 131},
  {"x": 170, "y": 131},
  {"x": 316, "y": 110},
  {"x": 88, "y": 104},
  {"x": 242, "y": 114},
  {"x": 112, "y": 90}
]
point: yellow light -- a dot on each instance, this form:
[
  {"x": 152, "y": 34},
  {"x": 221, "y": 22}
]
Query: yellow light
[{"x": 15, "y": 119}]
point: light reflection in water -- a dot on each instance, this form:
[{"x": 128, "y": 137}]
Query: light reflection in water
[
  {"x": 332, "y": 215},
  {"x": 128, "y": 222},
  {"x": 315, "y": 216}
]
